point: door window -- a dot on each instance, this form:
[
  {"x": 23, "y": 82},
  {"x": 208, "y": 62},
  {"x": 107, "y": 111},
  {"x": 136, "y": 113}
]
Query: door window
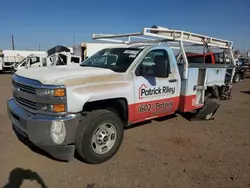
[
  {"x": 34, "y": 60},
  {"x": 44, "y": 62},
  {"x": 23, "y": 63},
  {"x": 62, "y": 60},
  {"x": 148, "y": 63},
  {"x": 75, "y": 59}
]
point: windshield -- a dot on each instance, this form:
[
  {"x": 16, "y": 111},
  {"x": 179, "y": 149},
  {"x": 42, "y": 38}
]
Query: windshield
[
  {"x": 53, "y": 59},
  {"x": 116, "y": 59},
  {"x": 23, "y": 62}
]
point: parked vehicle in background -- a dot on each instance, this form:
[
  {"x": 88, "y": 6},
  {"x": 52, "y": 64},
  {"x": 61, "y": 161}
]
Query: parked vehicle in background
[
  {"x": 33, "y": 60},
  {"x": 56, "y": 56},
  {"x": 221, "y": 58},
  {"x": 244, "y": 61},
  {"x": 209, "y": 57},
  {"x": 240, "y": 70},
  {"x": 61, "y": 55},
  {"x": 63, "y": 109},
  {"x": 8, "y": 58}
]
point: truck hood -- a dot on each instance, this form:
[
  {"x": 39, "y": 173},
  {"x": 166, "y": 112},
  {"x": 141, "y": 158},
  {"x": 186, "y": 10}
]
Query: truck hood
[{"x": 67, "y": 75}]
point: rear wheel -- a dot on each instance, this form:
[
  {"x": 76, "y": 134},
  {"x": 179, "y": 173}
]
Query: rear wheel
[
  {"x": 209, "y": 116},
  {"x": 236, "y": 78},
  {"x": 99, "y": 136},
  {"x": 207, "y": 111}
]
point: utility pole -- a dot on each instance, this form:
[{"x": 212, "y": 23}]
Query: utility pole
[
  {"x": 13, "y": 43},
  {"x": 39, "y": 47}
]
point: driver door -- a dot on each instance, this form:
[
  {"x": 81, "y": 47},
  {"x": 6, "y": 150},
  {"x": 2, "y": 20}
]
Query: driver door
[{"x": 154, "y": 96}]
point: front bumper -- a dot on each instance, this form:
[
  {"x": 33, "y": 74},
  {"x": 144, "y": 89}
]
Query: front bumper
[{"x": 36, "y": 128}]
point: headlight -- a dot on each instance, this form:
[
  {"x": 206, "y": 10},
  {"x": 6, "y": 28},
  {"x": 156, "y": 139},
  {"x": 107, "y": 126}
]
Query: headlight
[
  {"x": 57, "y": 108},
  {"x": 60, "y": 92},
  {"x": 47, "y": 96},
  {"x": 58, "y": 131}
]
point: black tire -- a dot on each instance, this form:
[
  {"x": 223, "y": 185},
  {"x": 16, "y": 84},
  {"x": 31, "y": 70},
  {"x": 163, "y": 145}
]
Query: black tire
[
  {"x": 236, "y": 78},
  {"x": 87, "y": 127},
  {"x": 207, "y": 112}
]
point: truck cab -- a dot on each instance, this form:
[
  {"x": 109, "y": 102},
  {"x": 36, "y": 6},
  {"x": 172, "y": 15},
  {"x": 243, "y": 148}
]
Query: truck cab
[{"x": 31, "y": 61}]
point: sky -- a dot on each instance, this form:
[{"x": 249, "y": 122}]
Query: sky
[{"x": 59, "y": 22}]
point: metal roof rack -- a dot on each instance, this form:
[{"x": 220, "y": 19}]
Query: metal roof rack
[{"x": 157, "y": 34}]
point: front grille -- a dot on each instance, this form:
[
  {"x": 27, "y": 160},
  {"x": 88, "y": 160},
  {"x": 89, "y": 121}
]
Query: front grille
[
  {"x": 20, "y": 96},
  {"x": 23, "y": 87},
  {"x": 8, "y": 63},
  {"x": 24, "y": 94},
  {"x": 25, "y": 102}
]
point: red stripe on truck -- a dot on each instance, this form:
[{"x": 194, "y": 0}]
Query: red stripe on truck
[
  {"x": 187, "y": 103},
  {"x": 152, "y": 109}
]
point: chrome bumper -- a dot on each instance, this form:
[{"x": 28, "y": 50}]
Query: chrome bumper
[{"x": 36, "y": 128}]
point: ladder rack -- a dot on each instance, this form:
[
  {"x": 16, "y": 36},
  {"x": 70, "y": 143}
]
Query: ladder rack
[{"x": 157, "y": 34}]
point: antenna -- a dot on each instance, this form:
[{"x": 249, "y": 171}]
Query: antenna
[{"x": 13, "y": 43}]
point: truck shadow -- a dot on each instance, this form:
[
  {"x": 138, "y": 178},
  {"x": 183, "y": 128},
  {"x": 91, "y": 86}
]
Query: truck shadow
[
  {"x": 165, "y": 118},
  {"x": 247, "y": 76},
  {"x": 34, "y": 148},
  {"x": 246, "y": 92},
  {"x": 18, "y": 175}
]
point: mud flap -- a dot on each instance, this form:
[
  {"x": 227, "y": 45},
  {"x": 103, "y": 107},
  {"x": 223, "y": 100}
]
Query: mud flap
[{"x": 210, "y": 107}]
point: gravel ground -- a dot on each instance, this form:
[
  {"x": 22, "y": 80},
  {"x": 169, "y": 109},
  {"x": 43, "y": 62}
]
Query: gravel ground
[{"x": 168, "y": 153}]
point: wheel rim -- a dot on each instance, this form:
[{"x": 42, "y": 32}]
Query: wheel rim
[
  {"x": 237, "y": 78},
  {"x": 208, "y": 116},
  {"x": 104, "y": 138}
]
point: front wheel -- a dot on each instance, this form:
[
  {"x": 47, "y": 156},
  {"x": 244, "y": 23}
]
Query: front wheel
[{"x": 99, "y": 136}]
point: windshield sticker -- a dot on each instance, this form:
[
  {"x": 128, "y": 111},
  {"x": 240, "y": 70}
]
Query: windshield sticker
[
  {"x": 131, "y": 52},
  {"x": 132, "y": 56},
  {"x": 155, "y": 91}
]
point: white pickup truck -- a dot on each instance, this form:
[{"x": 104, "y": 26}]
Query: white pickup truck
[
  {"x": 33, "y": 60},
  {"x": 86, "y": 107},
  {"x": 58, "y": 55}
]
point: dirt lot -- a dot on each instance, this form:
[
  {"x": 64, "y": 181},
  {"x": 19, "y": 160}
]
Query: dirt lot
[{"x": 170, "y": 153}]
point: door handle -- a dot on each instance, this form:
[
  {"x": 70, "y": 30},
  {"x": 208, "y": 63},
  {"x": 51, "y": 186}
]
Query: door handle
[{"x": 173, "y": 80}]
